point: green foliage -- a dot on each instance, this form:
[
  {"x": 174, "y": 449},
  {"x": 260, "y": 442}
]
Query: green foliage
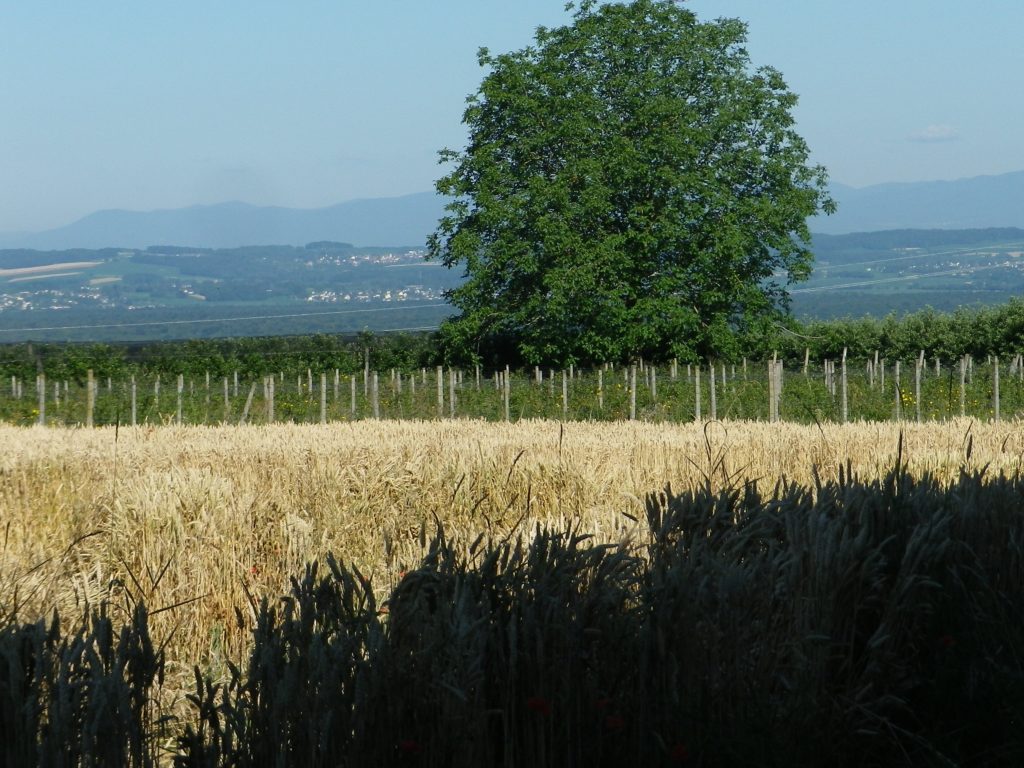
[
  {"x": 249, "y": 356},
  {"x": 994, "y": 330},
  {"x": 630, "y": 187}
]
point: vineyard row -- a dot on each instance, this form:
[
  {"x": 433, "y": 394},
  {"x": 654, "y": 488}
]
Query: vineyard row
[{"x": 833, "y": 390}]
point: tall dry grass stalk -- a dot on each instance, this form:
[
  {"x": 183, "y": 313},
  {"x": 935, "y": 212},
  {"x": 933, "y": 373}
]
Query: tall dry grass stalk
[{"x": 200, "y": 523}]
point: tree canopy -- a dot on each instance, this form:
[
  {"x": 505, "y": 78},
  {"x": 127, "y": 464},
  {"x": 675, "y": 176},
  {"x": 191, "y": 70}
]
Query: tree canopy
[{"x": 630, "y": 186}]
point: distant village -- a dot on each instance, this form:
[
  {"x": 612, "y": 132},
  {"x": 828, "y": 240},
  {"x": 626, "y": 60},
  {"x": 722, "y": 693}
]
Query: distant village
[{"x": 122, "y": 281}]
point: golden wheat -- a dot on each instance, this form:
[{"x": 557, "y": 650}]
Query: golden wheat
[{"x": 203, "y": 521}]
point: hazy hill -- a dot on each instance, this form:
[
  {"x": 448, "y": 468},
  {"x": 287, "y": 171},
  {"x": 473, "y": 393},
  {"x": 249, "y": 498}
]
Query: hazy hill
[
  {"x": 392, "y": 221},
  {"x": 979, "y": 202},
  {"x": 974, "y": 203}
]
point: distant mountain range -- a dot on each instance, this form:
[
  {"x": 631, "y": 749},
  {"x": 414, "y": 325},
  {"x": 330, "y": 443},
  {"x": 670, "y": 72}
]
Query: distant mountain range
[
  {"x": 389, "y": 221},
  {"x": 976, "y": 203},
  {"x": 979, "y": 202}
]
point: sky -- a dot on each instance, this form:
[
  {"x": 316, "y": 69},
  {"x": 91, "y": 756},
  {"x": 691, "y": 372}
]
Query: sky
[{"x": 140, "y": 106}]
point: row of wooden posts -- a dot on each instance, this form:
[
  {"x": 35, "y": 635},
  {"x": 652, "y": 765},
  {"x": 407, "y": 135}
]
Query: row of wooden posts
[
  {"x": 835, "y": 380},
  {"x": 371, "y": 389}
]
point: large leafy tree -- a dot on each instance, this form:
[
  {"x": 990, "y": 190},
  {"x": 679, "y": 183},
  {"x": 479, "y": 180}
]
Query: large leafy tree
[{"x": 630, "y": 186}]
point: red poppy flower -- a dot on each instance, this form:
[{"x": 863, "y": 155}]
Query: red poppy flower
[
  {"x": 539, "y": 704},
  {"x": 679, "y": 753},
  {"x": 615, "y": 723},
  {"x": 410, "y": 746}
]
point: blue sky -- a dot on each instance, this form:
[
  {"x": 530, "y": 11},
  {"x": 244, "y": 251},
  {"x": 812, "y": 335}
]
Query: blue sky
[{"x": 119, "y": 104}]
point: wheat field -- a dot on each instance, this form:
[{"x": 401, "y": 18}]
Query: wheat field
[{"x": 203, "y": 522}]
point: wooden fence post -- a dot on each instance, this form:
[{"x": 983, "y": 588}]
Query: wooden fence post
[
  {"x": 227, "y": 401},
  {"x": 248, "y": 402},
  {"x": 352, "y": 406},
  {"x": 440, "y": 392},
  {"x": 917, "y": 388},
  {"x": 600, "y": 389},
  {"x": 206, "y": 399},
  {"x": 565, "y": 395},
  {"x": 134, "y": 401},
  {"x": 632, "y": 392},
  {"x": 507, "y": 393},
  {"x": 181, "y": 391},
  {"x": 899, "y": 398},
  {"x": 375, "y": 394},
  {"x": 90, "y": 397},
  {"x": 323, "y": 398},
  {"x": 776, "y": 385},
  {"x": 995, "y": 386},
  {"x": 963, "y": 388},
  {"x": 41, "y": 391},
  {"x": 451, "y": 392},
  {"x": 696, "y": 393},
  {"x": 843, "y": 383},
  {"x": 713, "y": 390}
]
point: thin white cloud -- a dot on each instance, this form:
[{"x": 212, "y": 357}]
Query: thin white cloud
[{"x": 935, "y": 133}]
